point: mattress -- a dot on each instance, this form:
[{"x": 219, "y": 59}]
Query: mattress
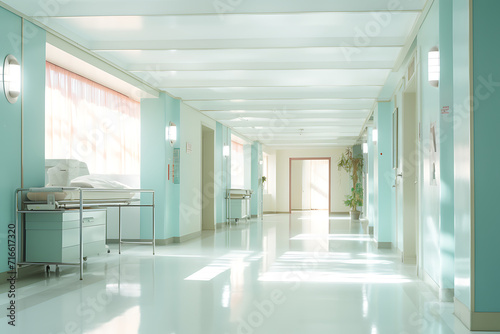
[{"x": 72, "y": 195}]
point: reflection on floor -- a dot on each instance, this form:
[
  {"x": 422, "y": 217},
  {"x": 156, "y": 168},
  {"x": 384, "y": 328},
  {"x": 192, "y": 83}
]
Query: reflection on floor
[{"x": 299, "y": 273}]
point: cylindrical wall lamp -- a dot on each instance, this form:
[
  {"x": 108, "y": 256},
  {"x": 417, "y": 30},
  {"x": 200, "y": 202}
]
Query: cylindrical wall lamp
[
  {"x": 11, "y": 78},
  {"x": 434, "y": 67},
  {"x": 375, "y": 135},
  {"x": 171, "y": 133},
  {"x": 225, "y": 150}
]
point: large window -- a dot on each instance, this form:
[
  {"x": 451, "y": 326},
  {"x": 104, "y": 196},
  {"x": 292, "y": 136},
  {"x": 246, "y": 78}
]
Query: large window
[
  {"x": 237, "y": 166},
  {"x": 91, "y": 123}
]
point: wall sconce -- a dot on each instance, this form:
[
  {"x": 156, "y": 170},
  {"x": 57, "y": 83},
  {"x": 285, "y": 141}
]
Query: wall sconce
[
  {"x": 365, "y": 148},
  {"x": 172, "y": 133},
  {"x": 434, "y": 67},
  {"x": 225, "y": 150},
  {"x": 11, "y": 78},
  {"x": 375, "y": 135}
]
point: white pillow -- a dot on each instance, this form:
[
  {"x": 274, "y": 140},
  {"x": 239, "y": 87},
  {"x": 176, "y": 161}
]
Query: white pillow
[{"x": 64, "y": 171}]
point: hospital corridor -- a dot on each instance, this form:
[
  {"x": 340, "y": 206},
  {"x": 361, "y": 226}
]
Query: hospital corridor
[{"x": 249, "y": 166}]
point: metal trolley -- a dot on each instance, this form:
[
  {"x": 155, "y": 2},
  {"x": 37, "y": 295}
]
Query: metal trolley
[
  {"x": 81, "y": 205},
  {"x": 238, "y": 204}
]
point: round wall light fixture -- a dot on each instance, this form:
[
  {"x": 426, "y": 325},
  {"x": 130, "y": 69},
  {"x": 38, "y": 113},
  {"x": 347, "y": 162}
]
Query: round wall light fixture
[{"x": 11, "y": 78}]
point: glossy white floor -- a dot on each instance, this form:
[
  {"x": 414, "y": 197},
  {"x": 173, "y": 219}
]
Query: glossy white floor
[{"x": 299, "y": 273}]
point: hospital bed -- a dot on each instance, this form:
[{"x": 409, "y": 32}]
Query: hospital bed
[{"x": 66, "y": 220}]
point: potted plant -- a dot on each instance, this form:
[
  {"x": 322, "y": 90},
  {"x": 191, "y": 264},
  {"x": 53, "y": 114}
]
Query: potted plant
[
  {"x": 263, "y": 179},
  {"x": 353, "y": 166}
]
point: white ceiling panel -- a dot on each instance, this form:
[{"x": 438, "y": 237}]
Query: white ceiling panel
[
  {"x": 277, "y": 128},
  {"x": 328, "y": 104},
  {"x": 253, "y": 122},
  {"x": 242, "y": 26},
  {"x": 311, "y": 92},
  {"x": 147, "y": 59},
  {"x": 195, "y": 7},
  {"x": 289, "y": 114},
  {"x": 243, "y": 78},
  {"x": 247, "y": 43}
]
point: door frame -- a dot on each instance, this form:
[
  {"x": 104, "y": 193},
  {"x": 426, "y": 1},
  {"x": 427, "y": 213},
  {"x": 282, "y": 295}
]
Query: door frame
[
  {"x": 329, "y": 181},
  {"x": 410, "y": 198}
]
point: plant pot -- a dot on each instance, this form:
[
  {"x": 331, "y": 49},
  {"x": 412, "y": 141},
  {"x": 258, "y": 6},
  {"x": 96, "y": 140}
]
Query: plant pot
[{"x": 355, "y": 215}]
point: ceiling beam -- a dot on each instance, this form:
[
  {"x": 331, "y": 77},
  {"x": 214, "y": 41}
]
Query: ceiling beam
[{"x": 245, "y": 66}]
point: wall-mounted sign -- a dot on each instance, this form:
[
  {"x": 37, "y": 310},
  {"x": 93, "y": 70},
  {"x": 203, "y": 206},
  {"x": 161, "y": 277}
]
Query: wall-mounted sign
[
  {"x": 445, "y": 110},
  {"x": 189, "y": 148}
]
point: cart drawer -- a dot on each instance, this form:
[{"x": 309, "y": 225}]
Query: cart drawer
[
  {"x": 55, "y": 237},
  {"x": 64, "y": 220}
]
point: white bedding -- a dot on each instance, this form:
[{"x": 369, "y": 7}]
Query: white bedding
[
  {"x": 91, "y": 181},
  {"x": 87, "y": 182},
  {"x": 70, "y": 173},
  {"x": 68, "y": 195}
]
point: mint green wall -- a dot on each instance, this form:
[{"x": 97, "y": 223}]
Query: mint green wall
[
  {"x": 10, "y": 118},
  {"x": 371, "y": 170},
  {"x": 447, "y": 178},
  {"x": 156, "y": 155},
  {"x": 486, "y": 71},
  {"x": 357, "y": 150},
  {"x": 385, "y": 230},
  {"x": 34, "y": 105},
  {"x": 222, "y": 171},
  {"x": 10, "y": 133},
  {"x": 428, "y": 37},
  {"x": 220, "y": 214},
  {"x": 462, "y": 158},
  {"x": 256, "y": 201}
]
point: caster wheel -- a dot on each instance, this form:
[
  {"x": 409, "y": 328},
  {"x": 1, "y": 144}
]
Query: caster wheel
[{"x": 109, "y": 251}]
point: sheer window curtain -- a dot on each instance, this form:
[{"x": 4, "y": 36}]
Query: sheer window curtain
[{"x": 92, "y": 123}]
